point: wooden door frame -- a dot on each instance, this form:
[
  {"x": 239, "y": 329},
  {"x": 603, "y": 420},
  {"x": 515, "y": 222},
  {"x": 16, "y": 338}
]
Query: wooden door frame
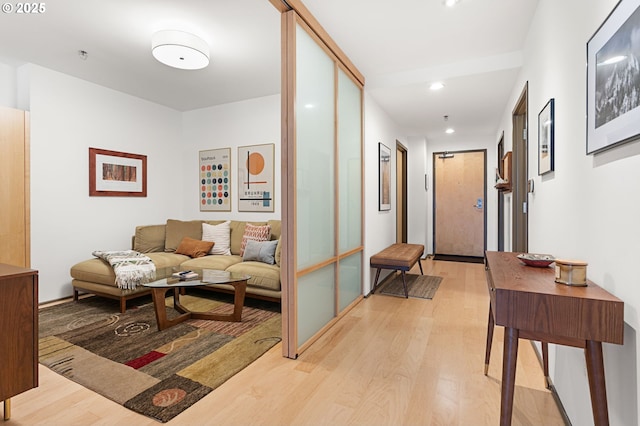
[
  {"x": 500, "y": 196},
  {"x": 401, "y": 192},
  {"x": 520, "y": 171},
  {"x": 433, "y": 213}
]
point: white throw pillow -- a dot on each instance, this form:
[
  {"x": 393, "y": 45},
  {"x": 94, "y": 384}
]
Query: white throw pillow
[{"x": 220, "y": 235}]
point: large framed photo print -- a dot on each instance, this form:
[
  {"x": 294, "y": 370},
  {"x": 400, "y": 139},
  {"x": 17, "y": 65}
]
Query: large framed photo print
[
  {"x": 215, "y": 180},
  {"x": 613, "y": 76},
  {"x": 117, "y": 174},
  {"x": 255, "y": 178}
]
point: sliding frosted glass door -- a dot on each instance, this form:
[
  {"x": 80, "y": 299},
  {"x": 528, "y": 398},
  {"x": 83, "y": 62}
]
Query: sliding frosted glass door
[
  {"x": 349, "y": 189},
  {"x": 315, "y": 185},
  {"x": 322, "y": 182}
]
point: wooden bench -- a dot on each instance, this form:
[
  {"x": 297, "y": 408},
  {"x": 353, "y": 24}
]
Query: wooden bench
[{"x": 400, "y": 257}]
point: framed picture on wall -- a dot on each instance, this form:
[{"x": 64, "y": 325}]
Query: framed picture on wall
[
  {"x": 613, "y": 98},
  {"x": 546, "y": 138},
  {"x": 255, "y": 178},
  {"x": 384, "y": 172},
  {"x": 214, "y": 170},
  {"x": 117, "y": 174}
]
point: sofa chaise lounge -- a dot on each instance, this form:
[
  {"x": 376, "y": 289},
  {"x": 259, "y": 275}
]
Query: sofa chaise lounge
[{"x": 162, "y": 244}]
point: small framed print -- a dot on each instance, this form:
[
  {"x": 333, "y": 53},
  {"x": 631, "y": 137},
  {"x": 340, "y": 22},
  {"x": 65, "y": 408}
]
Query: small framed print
[
  {"x": 384, "y": 176},
  {"x": 255, "y": 178},
  {"x": 117, "y": 174},
  {"x": 215, "y": 180},
  {"x": 546, "y": 138}
]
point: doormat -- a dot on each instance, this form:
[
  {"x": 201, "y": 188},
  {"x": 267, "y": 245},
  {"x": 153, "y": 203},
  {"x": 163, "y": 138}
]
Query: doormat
[
  {"x": 156, "y": 373},
  {"x": 453, "y": 258},
  {"x": 419, "y": 286}
]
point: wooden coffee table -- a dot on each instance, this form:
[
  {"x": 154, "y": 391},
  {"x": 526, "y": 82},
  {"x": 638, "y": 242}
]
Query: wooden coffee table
[{"x": 160, "y": 288}]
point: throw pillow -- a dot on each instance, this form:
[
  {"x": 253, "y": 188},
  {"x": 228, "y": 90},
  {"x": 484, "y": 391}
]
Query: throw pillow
[
  {"x": 256, "y": 233},
  {"x": 194, "y": 248},
  {"x": 220, "y": 234},
  {"x": 260, "y": 251}
]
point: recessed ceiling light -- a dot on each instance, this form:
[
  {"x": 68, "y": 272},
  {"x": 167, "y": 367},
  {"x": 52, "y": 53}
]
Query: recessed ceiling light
[
  {"x": 179, "y": 49},
  {"x": 450, "y": 3},
  {"x": 436, "y": 85},
  {"x": 449, "y": 131}
]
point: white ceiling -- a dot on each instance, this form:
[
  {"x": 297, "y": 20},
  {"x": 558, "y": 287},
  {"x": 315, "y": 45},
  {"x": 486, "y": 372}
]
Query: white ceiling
[{"x": 399, "y": 46}]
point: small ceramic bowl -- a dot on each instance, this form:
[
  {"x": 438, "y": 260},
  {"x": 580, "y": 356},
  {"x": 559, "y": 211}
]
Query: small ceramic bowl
[{"x": 537, "y": 260}]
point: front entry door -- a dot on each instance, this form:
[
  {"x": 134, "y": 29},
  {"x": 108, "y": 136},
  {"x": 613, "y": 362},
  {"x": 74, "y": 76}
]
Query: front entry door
[{"x": 459, "y": 203}]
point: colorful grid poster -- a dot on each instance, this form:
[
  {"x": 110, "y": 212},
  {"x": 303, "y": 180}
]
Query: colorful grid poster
[
  {"x": 255, "y": 178},
  {"x": 215, "y": 180}
]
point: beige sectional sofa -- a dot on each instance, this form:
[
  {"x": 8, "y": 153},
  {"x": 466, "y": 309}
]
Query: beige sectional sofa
[{"x": 159, "y": 243}]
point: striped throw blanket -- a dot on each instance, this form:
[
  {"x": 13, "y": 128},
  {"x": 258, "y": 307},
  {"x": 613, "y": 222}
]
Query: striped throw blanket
[{"x": 132, "y": 268}]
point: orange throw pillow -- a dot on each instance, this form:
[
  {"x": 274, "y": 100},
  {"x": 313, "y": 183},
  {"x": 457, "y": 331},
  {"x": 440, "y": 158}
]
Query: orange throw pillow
[{"x": 194, "y": 248}]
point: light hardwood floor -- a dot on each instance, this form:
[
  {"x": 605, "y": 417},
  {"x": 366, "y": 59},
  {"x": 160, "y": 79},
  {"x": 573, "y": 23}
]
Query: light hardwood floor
[{"x": 390, "y": 361}]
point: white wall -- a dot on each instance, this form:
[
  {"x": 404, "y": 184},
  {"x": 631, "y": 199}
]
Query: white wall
[
  {"x": 380, "y": 226},
  {"x": 8, "y": 87},
  {"x": 251, "y": 122},
  {"x": 587, "y": 208},
  {"x": 418, "y": 196},
  {"x": 69, "y": 115}
]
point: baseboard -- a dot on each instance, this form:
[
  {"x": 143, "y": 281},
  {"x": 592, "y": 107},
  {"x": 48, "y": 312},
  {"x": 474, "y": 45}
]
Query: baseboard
[
  {"x": 455, "y": 258},
  {"x": 556, "y": 398},
  {"x": 551, "y": 387}
]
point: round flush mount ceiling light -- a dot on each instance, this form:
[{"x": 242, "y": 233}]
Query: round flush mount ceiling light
[
  {"x": 179, "y": 49},
  {"x": 436, "y": 85}
]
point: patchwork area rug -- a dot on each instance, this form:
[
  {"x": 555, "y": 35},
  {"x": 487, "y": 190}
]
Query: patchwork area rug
[
  {"x": 156, "y": 373},
  {"x": 419, "y": 286}
]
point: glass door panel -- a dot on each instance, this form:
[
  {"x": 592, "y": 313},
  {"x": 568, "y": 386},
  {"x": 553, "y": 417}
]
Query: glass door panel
[
  {"x": 350, "y": 162},
  {"x": 316, "y": 301},
  {"x": 350, "y": 280},
  {"x": 315, "y": 156}
]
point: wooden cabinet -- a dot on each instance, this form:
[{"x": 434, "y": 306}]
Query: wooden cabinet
[{"x": 18, "y": 332}]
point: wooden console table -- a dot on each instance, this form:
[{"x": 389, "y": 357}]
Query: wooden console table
[{"x": 531, "y": 305}]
